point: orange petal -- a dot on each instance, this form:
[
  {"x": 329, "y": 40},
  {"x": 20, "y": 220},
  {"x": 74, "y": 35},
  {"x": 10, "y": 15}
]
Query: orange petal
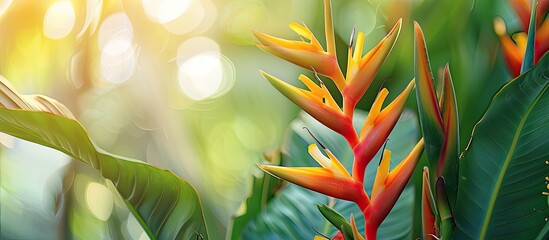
[
  {"x": 383, "y": 124},
  {"x": 512, "y": 54},
  {"x": 332, "y": 118},
  {"x": 381, "y": 175},
  {"x": 321, "y": 180},
  {"x": 368, "y": 66},
  {"x": 394, "y": 184}
]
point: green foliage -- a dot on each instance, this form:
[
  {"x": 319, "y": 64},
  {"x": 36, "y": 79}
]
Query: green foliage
[
  {"x": 336, "y": 220},
  {"x": 263, "y": 190},
  {"x": 503, "y": 169},
  {"x": 166, "y": 206},
  {"x": 292, "y": 214},
  {"x": 528, "y": 60}
]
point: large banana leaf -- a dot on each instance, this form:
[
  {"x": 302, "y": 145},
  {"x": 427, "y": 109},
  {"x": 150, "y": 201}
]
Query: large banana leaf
[
  {"x": 504, "y": 170},
  {"x": 292, "y": 213},
  {"x": 166, "y": 206}
]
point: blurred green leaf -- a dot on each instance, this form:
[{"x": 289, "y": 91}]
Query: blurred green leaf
[
  {"x": 292, "y": 213},
  {"x": 503, "y": 169},
  {"x": 166, "y": 206},
  {"x": 263, "y": 190}
]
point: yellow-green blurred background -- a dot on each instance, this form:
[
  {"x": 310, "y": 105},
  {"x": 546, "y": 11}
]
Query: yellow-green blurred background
[{"x": 175, "y": 83}]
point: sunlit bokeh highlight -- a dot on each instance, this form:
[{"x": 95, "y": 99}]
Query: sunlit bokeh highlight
[
  {"x": 4, "y": 5},
  {"x": 203, "y": 72},
  {"x": 118, "y": 53},
  {"x": 163, "y": 11},
  {"x": 197, "y": 19},
  {"x": 59, "y": 20},
  {"x": 99, "y": 200}
]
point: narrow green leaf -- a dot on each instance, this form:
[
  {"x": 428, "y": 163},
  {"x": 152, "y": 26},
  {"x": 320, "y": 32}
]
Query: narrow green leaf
[
  {"x": 544, "y": 234},
  {"x": 166, "y": 206},
  {"x": 429, "y": 112},
  {"x": 503, "y": 170},
  {"x": 337, "y": 220},
  {"x": 528, "y": 60},
  {"x": 446, "y": 218}
]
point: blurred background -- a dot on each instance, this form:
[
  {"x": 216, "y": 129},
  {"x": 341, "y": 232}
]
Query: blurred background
[{"x": 175, "y": 83}]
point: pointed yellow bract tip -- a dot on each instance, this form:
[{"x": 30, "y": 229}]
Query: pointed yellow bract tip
[
  {"x": 382, "y": 173},
  {"x": 499, "y": 26}
]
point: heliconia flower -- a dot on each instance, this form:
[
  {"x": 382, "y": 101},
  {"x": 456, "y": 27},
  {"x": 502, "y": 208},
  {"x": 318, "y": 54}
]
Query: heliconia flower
[
  {"x": 318, "y": 102},
  {"x": 356, "y": 233},
  {"x": 428, "y": 209},
  {"x": 309, "y": 55},
  {"x": 513, "y": 51},
  {"x": 361, "y": 69},
  {"x": 522, "y": 10},
  {"x": 377, "y": 127},
  {"x": 331, "y": 178},
  {"x": 388, "y": 186},
  {"x": 438, "y": 116}
]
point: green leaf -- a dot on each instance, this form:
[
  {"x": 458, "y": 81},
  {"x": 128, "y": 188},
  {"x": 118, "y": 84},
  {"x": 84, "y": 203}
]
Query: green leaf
[
  {"x": 502, "y": 177},
  {"x": 292, "y": 213},
  {"x": 337, "y": 220},
  {"x": 263, "y": 190},
  {"x": 166, "y": 206},
  {"x": 544, "y": 234}
]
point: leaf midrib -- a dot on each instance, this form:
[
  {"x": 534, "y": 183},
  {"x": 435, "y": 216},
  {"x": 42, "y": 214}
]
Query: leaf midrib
[{"x": 505, "y": 166}]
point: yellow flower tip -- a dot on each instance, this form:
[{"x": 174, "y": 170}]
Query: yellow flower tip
[
  {"x": 356, "y": 233},
  {"x": 397, "y": 105},
  {"x": 382, "y": 173},
  {"x": 499, "y": 27},
  {"x": 374, "y": 112},
  {"x": 301, "y": 30},
  {"x": 419, "y": 34},
  {"x": 520, "y": 39},
  {"x": 407, "y": 165},
  {"x": 329, "y": 27},
  {"x": 397, "y": 27},
  {"x": 331, "y": 162},
  {"x": 262, "y": 37},
  {"x": 314, "y": 151}
]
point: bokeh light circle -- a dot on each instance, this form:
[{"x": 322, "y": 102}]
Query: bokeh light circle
[
  {"x": 164, "y": 11},
  {"x": 203, "y": 72},
  {"x": 59, "y": 20},
  {"x": 99, "y": 200},
  {"x": 118, "y": 55}
]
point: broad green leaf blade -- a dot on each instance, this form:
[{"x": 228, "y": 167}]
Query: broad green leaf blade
[
  {"x": 428, "y": 108},
  {"x": 503, "y": 172},
  {"x": 263, "y": 190},
  {"x": 166, "y": 206},
  {"x": 292, "y": 213}
]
